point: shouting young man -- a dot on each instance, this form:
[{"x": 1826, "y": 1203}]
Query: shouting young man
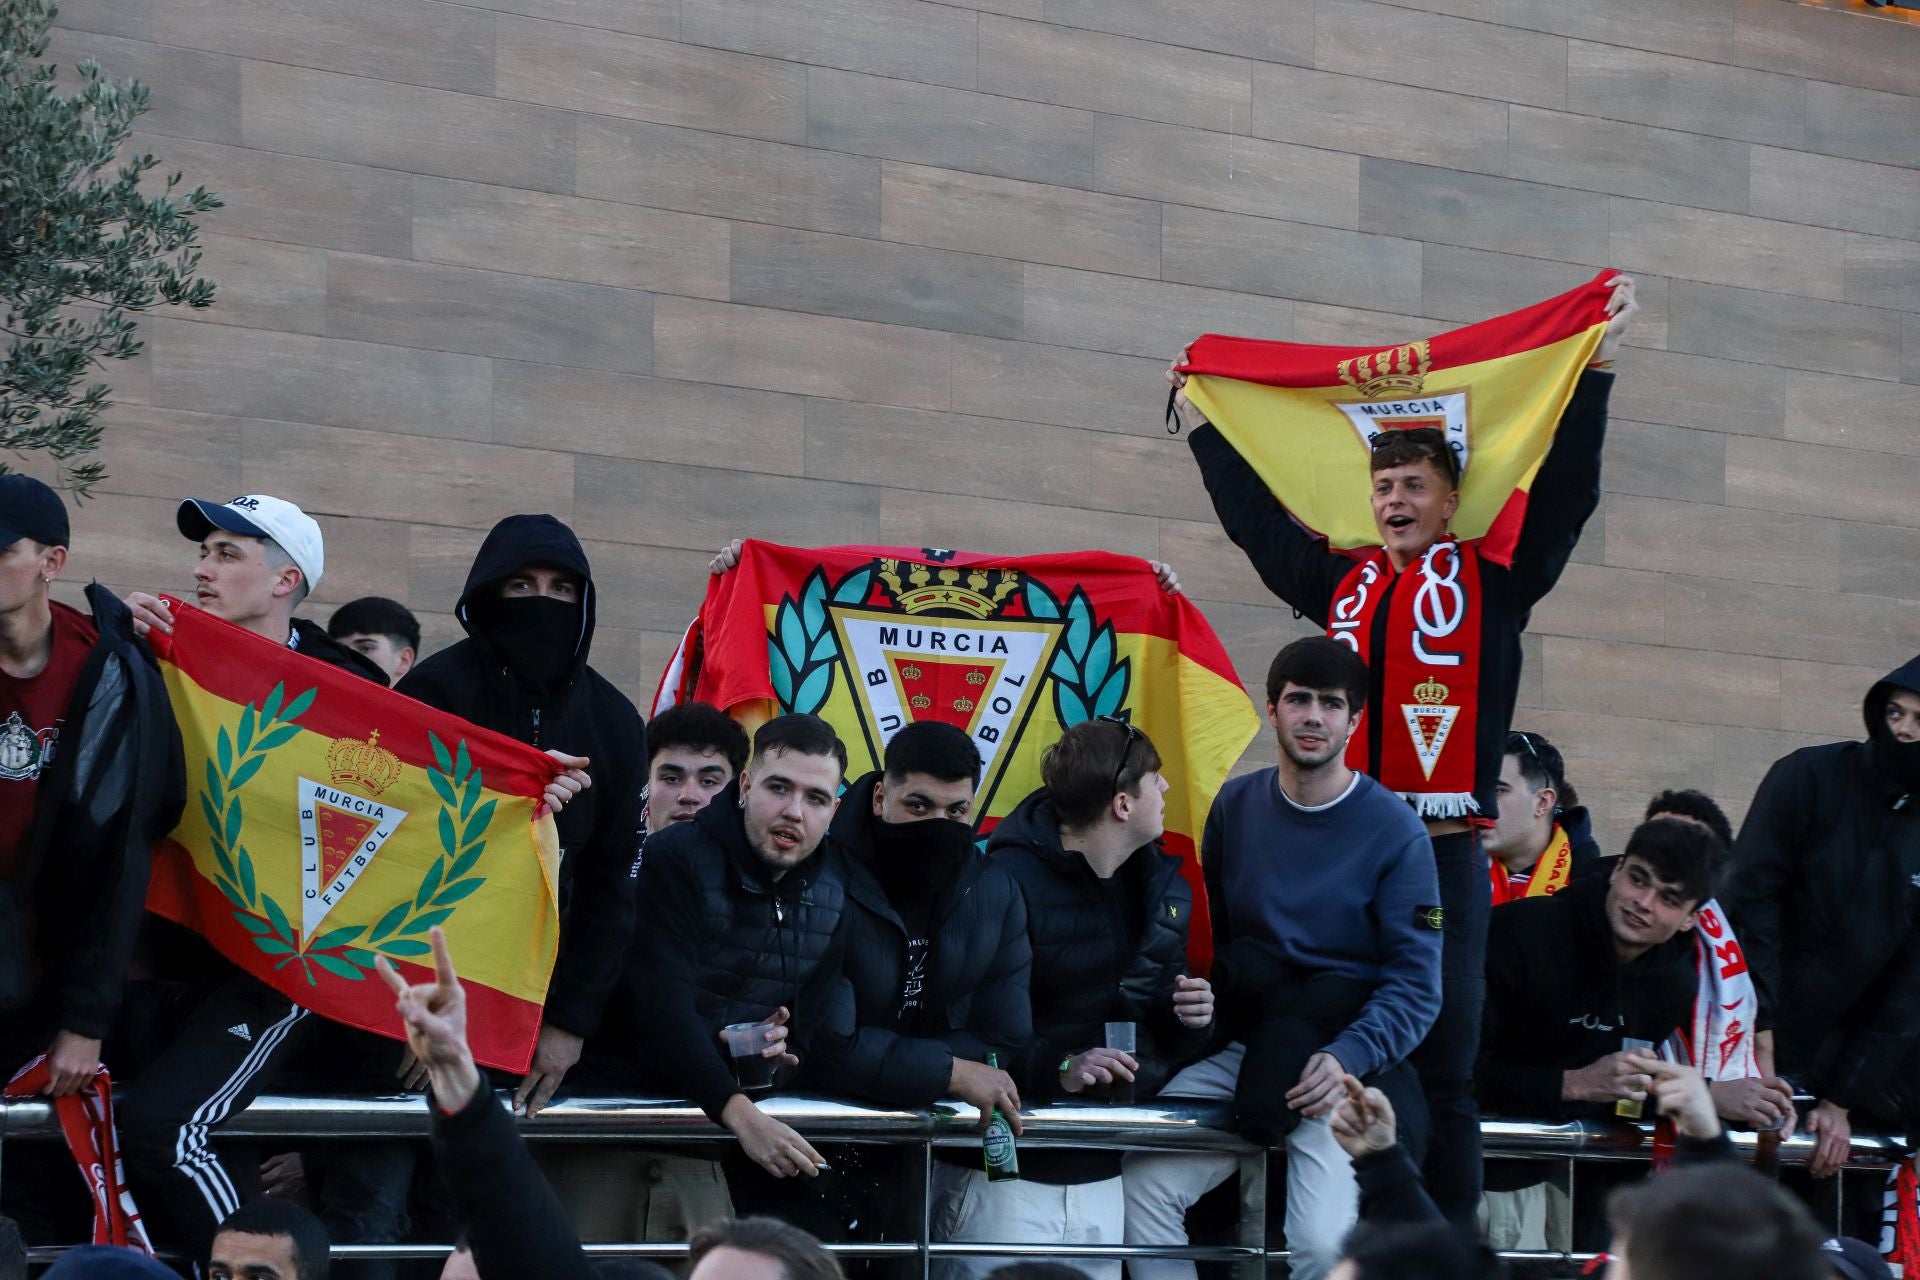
[{"x": 1430, "y": 616}]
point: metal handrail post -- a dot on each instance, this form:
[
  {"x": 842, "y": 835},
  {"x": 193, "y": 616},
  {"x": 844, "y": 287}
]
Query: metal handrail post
[{"x": 1253, "y": 1214}]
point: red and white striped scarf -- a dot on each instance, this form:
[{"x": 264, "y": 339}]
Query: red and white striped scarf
[{"x": 86, "y": 1118}]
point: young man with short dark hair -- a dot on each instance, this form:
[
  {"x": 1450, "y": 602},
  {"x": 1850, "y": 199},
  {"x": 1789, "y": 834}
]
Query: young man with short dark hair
[
  {"x": 270, "y": 1240},
  {"x": 1322, "y": 894},
  {"x": 1571, "y": 977},
  {"x": 649, "y": 1193},
  {"x": 1440, "y": 628},
  {"x": 1107, "y": 918},
  {"x": 758, "y": 1249},
  {"x": 1719, "y": 1219},
  {"x": 1726, "y": 1005},
  {"x": 694, "y": 750},
  {"x": 937, "y": 960},
  {"x": 745, "y": 909},
  {"x": 937, "y": 950},
  {"x": 382, "y": 630},
  {"x": 1541, "y": 837}
]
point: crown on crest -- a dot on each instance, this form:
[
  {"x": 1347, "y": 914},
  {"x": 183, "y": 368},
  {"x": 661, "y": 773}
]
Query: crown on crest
[
  {"x": 921, "y": 588},
  {"x": 366, "y": 765},
  {"x": 1397, "y": 371},
  {"x": 1430, "y": 692}
]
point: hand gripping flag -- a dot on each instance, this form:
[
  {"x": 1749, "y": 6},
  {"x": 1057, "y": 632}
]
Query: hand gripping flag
[
  {"x": 330, "y": 821},
  {"x": 1304, "y": 417},
  {"x": 1013, "y": 650}
]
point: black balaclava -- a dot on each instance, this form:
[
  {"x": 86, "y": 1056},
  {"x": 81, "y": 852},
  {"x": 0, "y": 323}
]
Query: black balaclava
[
  {"x": 537, "y": 635},
  {"x": 1896, "y": 761},
  {"x": 919, "y": 859}
]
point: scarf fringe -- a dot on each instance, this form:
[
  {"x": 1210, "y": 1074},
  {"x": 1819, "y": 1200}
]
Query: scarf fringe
[{"x": 1438, "y": 804}]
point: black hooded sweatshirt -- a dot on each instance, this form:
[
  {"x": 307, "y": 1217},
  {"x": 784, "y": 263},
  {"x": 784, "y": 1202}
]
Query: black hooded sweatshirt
[
  {"x": 580, "y": 713},
  {"x": 1824, "y": 896}
]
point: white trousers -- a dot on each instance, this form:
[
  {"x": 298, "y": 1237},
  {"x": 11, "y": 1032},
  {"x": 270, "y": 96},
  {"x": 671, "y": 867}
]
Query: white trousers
[
  {"x": 1323, "y": 1198},
  {"x": 970, "y": 1208}
]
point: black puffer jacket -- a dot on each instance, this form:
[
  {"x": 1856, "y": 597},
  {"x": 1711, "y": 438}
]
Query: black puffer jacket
[
  {"x": 584, "y": 716},
  {"x": 115, "y": 787},
  {"x": 1824, "y": 896},
  {"x": 1558, "y": 998},
  {"x": 975, "y": 984},
  {"x": 1088, "y": 969},
  {"x": 722, "y": 944}
]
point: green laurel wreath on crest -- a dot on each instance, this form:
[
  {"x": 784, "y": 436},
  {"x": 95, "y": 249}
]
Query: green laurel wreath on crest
[
  {"x": 342, "y": 952},
  {"x": 802, "y": 648},
  {"x": 1088, "y": 682}
]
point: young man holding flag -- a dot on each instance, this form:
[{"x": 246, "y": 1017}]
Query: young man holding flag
[
  {"x": 1438, "y": 621},
  {"x": 207, "y": 1036}
]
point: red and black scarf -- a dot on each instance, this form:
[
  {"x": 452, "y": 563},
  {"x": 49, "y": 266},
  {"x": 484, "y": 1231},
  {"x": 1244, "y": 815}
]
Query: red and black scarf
[{"x": 1428, "y": 709}]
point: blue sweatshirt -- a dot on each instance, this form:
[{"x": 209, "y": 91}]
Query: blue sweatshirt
[{"x": 1345, "y": 888}]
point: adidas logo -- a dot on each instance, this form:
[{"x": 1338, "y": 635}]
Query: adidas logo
[{"x": 240, "y": 1029}]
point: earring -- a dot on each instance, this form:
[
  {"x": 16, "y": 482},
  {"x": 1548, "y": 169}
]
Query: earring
[{"x": 742, "y": 800}]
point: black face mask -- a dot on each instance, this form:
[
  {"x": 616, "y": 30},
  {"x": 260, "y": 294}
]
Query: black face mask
[
  {"x": 921, "y": 857},
  {"x": 537, "y": 635},
  {"x": 1894, "y": 760}
]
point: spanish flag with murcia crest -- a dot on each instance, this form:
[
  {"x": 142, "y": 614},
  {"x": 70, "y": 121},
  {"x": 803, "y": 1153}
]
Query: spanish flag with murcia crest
[
  {"x": 330, "y": 821},
  {"x": 1011, "y": 650},
  {"x": 1304, "y": 416}
]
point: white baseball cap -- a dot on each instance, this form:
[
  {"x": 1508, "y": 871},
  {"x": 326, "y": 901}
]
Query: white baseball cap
[{"x": 258, "y": 515}]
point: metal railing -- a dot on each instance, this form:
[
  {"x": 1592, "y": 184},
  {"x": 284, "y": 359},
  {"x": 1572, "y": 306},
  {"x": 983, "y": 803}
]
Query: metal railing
[{"x": 1166, "y": 1124}]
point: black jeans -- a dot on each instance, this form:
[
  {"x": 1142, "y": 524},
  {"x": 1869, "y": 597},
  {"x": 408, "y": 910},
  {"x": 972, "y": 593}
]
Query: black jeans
[{"x": 1445, "y": 1058}]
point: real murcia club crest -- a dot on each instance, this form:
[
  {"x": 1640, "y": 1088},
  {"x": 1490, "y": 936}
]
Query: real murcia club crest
[
  {"x": 23, "y": 751},
  {"x": 1429, "y": 720},
  {"x": 976, "y": 648},
  {"x": 343, "y": 824},
  {"x": 1394, "y": 383}
]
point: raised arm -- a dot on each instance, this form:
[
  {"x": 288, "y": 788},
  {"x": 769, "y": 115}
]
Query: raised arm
[
  {"x": 1296, "y": 565},
  {"x": 1566, "y": 491}
]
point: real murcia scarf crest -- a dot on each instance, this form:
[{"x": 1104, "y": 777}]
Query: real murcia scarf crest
[{"x": 1425, "y": 624}]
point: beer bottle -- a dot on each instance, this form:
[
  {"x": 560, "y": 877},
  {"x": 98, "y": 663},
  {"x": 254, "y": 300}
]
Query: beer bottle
[{"x": 1002, "y": 1157}]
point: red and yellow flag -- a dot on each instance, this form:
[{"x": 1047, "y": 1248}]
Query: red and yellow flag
[
  {"x": 1013, "y": 650},
  {"x": 329, "y": 821},
  {"x": 1304, "y": 416}
]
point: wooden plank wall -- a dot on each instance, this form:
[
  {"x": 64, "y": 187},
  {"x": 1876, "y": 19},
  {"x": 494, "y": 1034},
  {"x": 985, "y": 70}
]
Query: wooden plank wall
[{"x": 904, "y": 271}]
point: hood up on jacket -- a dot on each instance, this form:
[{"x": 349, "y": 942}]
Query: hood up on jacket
[
  {"x": 512, "y": 545},
  {"x": 1898, "y": 762}
]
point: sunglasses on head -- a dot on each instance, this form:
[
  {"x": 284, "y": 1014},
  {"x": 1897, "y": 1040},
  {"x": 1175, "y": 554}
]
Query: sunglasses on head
[
  {"x": 1125, "y": 751},
  {"x": 1431, "y": 437}
]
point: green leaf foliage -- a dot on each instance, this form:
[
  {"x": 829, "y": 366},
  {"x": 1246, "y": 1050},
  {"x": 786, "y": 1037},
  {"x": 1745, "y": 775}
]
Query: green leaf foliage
[
  {"x": 336, "y": 966},
  {"x": 298, "y": 707}
]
